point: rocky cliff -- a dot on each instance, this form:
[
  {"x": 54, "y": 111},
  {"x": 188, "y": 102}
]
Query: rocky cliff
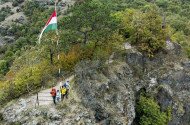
[
  {"x": 111, "y": 93},
  {"x": 107, "y": 95}
]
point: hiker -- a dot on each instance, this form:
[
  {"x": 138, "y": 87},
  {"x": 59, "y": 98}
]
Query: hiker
[
  {"x": 58, "y": 96},
  {"x": 53, "y": 94},
  {"x": 67, "y": 86},
  {"x": 63, "y": 92}
]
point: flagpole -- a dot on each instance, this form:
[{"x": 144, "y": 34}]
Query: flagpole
[{"x": 57, "y": 33}]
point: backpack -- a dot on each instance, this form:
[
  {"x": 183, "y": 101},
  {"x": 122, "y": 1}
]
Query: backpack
[
  {"x": 66, "y": 85},
  {"x": 53, "y": 92},
  {"x": 63, "y": 91}
]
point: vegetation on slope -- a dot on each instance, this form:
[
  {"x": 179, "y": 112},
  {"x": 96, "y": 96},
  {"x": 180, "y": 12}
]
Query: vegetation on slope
[
  {"x": 4, "y": 12},
  {"x": 91, "y": 30},
  {"x": 148, "y": 112}
]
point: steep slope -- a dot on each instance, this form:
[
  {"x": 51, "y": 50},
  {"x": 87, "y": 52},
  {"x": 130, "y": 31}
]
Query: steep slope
[
  {"x": 15, "y": 15},
  {"x": 30, "y": 107},
  {"x": 104, "y": 92},
  {"x": 113, "y": 92},
  {"x": 109, "y": 96}
]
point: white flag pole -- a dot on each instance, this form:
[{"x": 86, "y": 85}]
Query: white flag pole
[{"x": 57, "y": 35}]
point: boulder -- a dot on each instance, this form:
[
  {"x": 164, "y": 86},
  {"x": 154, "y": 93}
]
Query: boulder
[
  {"x": 9, "y": 39},
  {"x": 164, "y": 97},
  {"x": 1, "y": 42},
  {"x": 20, "y": 20},
  {"x": 3, "y": 30}
]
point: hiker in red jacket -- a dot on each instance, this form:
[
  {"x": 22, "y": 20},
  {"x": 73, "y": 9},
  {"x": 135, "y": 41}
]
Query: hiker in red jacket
[{"x": 53, "y": 94}]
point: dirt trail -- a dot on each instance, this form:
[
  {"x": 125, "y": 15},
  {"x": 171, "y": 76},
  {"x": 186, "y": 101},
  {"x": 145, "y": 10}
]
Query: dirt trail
[{"x": 44, "y": 95}]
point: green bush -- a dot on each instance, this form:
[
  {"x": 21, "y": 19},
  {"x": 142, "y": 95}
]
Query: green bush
[
  {"x": 17, "y": 2},
  {"x": 3, "y": 67},
  {"x": 144, "y": 29},
  {"x": 2, "y": 17},
  {"x": 148, "y": 112},
  {"x": 3, "y": 1},
  {"x": 4, "y": 12}
]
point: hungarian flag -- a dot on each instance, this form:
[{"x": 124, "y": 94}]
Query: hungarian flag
[{"x": 50, "y": 25}]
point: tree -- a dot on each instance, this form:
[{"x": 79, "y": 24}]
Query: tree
[
  {"x": 163, "y": 3},
  {"x": 90, "y": 21},
  {"x": 144, "y": 29}
]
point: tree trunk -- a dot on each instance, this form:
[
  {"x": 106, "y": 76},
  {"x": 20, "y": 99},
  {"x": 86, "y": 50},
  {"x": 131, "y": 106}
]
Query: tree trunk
[{"x": 51, "y": 56}]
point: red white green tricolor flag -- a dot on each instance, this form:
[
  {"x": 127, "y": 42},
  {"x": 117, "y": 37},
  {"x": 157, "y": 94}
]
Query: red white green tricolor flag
[{"x": 50, "y": 25}]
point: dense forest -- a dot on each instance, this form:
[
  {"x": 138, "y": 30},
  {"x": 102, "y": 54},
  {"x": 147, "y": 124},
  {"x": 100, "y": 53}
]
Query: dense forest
[{"x": 88, "y": 30}]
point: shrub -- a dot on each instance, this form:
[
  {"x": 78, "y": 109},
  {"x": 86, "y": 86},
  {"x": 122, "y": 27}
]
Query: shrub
[
  {"x": 2, "y": 17},
  {"x": 148, "y": 112},
  {"x": 3, "y": 67},
  {"x": 4, "y": 12},
  {"x": 28, "y": 79},
  {"x": 17, "y": 2},
  {"x": 3, "y": 92},
  {"x": 144, "y": 29},
  {"x": 69, "y": 60}
]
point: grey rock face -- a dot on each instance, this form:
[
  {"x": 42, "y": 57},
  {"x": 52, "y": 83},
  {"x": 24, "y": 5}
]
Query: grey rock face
[
  {"x": 169, "y": 45},
  {"x": 164, "y": 98},
  {"x": 11, "y": 113},
  {"x": 3, "y": 30},
  {"x": 9, "y": 39},
  {"x": 20, "y": 20},
  {"x": 1, "y": 41},
  {"x": 114, "y": 89},
  {"x": 186, "y": 64},
  {"x": 186, "y": 117},
  {"x": 110, "y": 96},
  {"x": 135, "y": 59},
  {"x": 21, "y": 112}
]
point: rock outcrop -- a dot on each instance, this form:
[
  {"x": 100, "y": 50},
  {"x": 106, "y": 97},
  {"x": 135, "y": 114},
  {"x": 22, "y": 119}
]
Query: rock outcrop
[
  {"x": 107, "y": 94},
  {"x": 111, "y": 93}
]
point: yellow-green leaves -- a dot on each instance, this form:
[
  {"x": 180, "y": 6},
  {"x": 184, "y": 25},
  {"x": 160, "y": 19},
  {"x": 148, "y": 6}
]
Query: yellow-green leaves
[
  {"x": 144, "y": 29},
  {"x": 148, "y": 112}
]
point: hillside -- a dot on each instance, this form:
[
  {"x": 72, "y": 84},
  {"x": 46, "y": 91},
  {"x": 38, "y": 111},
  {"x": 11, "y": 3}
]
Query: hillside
[
  {"x": 114, "y": 95},
  {"x": 129, "y": 59}
]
